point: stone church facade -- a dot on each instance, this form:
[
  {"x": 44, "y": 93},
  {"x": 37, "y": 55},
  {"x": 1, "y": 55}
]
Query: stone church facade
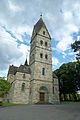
[{"x": 35, "y": 83}]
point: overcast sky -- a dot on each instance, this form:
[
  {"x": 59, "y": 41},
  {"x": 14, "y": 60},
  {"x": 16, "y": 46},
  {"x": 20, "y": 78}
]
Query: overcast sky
[{"x": 17, "y": 18}]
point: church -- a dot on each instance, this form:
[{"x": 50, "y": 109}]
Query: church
[{"x": 35, "y": 82}]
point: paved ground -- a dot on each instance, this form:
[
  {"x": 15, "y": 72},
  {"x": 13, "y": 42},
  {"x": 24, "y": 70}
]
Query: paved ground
[{"x": 41, "y": 112}]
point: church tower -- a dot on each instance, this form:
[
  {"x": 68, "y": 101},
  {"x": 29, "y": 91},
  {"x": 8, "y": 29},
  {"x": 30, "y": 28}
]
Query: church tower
[
  {"x": 41, "y": 65},
  {"x": 35, "y": 83}
]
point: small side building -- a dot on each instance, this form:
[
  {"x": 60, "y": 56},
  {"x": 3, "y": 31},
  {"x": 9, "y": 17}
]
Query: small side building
[{"x": 19, "y": 77}]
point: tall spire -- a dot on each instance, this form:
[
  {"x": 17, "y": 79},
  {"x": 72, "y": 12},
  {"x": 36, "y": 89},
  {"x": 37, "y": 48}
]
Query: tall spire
[{"x": 26, "y": 62}]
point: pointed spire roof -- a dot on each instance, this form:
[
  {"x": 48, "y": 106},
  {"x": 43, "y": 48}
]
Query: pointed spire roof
[
  {"x": 38, "y": 26},
  {"x": 26, "y": 63}
]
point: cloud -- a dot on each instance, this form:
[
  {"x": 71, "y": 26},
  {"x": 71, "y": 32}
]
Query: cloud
[
  {"x": 25, "y": 50},
  {"x": 25, "y": 16},
  {"x": 21, "y": 29},
  {"x": 62, "y": 18},
  {"x": 65, "y": 43},
  {"x": 55, "y": 61},
  {"x": 10, "y": 52},
  {"x": 13, "y": 7},
  {"x": 8, "y": 49}
]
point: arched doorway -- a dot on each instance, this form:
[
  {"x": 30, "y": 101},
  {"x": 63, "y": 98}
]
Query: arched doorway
[{"x": 43, "y": 94}]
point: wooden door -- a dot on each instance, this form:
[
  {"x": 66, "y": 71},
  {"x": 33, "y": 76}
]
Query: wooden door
[{"x": 42, "y": 96}]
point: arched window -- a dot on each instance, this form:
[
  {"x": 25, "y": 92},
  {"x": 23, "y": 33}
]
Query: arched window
[
  {"x": 24, "y": 75},
  {"x": 43, "y": 71},
  {"x": 43, "y": 32},
  {"x": 41, "y": 42},
  {"x": 32, "y": 56},
  {"x": 53, "y": 89},
  {"x": 23, "y": 87},
  {"x": 46, "y": 56},
  {"x": 46, "y": 44},
  {"x": 41, "y": 55}
]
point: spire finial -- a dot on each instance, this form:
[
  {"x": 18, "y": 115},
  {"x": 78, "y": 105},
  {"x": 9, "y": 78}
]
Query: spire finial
[{"x": 41, "y": 15}]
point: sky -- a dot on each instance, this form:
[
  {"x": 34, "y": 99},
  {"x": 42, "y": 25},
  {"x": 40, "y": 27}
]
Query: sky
[{"x": 17, "y": 19}]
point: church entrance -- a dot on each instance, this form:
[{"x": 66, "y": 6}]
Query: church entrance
[
  {"x": 42, "y": 97},
  {"x": 43, "y": 94}
]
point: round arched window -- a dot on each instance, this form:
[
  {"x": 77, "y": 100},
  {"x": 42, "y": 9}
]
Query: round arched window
[
  {"x": 41, "y": 42},
  {"x": 46, "y": 44},
  {"x": 23, "y": 87},
  {"x": 41, "y": 55},
  {"x": 46, "y": 56},
  {"x": 43, "y": 32}
]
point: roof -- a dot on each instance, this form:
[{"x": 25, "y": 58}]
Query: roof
[
  {"x": 54, "y": 75},
  {"x": 38, "y": 26},
  {"x": 12, "y": 69},
  {"x": 26, "y": 63},
  {"x": 24, "y": 69}
]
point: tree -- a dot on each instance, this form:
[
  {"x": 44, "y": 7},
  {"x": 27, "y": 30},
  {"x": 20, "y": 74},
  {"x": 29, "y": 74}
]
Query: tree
[
  {"x": 76, "y": 47},
  {"x": 69, "y": 78},
  {"x": 4, "y": 87}
]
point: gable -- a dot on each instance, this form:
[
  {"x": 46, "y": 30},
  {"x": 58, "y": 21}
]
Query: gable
[
  {"x": 44, "y": 30},
  {"x": 39, "y": 27}
]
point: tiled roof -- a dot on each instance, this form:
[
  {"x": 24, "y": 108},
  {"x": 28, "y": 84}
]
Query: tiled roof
[
  {"x": 12, "y": 69},
  {"x": 21, "y": 68},
  {"x": 24, "y": 69},
  {"x": 38, "y": 26}
]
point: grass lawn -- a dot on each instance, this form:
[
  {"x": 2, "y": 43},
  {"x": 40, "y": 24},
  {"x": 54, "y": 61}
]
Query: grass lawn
[
  {"x": 5, "y": 104},
  {"x": 69, "y": 102}
]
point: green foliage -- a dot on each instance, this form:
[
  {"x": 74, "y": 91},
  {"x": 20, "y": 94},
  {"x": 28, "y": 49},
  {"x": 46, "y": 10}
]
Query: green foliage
[
  {"x": 4, "y": 87},
  {"x": 75, "y": 46},
  {"x": 69, "y": 78},
  {"x": 8, "y": 104},
  {"x": 69, "y": 97}
]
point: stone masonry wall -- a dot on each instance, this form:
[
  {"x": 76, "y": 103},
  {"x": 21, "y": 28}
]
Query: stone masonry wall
[
  {"x": 36, "y": 90},
  {"x": 20, "y": 96}
]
